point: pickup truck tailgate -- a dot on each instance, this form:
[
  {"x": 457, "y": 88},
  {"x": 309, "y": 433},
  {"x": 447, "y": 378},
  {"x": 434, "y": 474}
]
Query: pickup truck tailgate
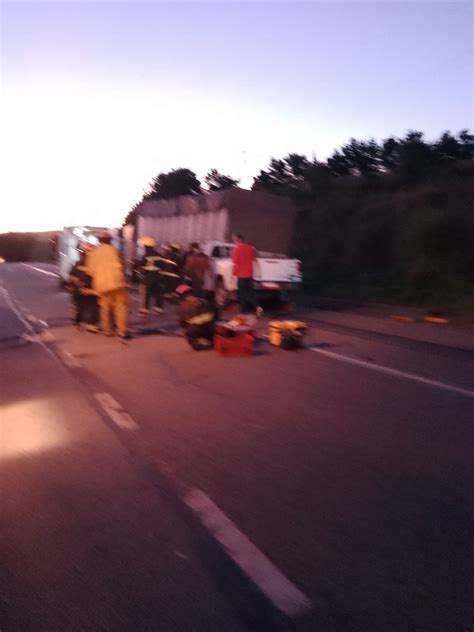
[{"x": 275, "y": 270}]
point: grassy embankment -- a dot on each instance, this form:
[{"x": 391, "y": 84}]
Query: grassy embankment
[
  {"x": 393, "y": 242},
  {"x": 28, "y": 246}
]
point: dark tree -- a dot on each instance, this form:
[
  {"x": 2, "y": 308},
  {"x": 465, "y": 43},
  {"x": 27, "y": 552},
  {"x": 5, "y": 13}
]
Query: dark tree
[
  {"x": 416, "y": 156},
  {"x": 363, "y": 157},
  {"x": 274, "y": 180},
  {"x": 389, "y": 154},
  {"x": 174, "y": 183},
  {"x": 466, "y": 141},
  {"x": 339, "y": 165},
  {"x": 297, "y": 165},
  {"x": 216, "y": 181},
  {"x": 316, "y": 179},
  {"x": 447, "y": 148},
  {"x": 283, "y": 177}
]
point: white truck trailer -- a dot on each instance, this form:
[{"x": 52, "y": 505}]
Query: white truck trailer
[{"x": 265, "y": 220}]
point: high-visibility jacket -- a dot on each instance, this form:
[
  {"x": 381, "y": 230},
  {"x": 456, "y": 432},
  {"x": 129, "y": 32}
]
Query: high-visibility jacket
[
  {"x": 150, "y": 267},
  {"x": 105, "y": 266}
]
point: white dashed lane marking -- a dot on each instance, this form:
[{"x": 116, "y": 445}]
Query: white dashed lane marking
[
  {"x": 394, "y": 372},
  {"x": 282, "y": 593},
  {"x": 69, "y": 360},
  {"x": 115, "y": 411}
]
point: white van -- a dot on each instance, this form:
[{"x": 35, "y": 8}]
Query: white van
[{"x": 69, "y": 241}]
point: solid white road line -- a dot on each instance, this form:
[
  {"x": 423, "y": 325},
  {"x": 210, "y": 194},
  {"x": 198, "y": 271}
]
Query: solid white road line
[
  {"x": 33, "y": 319},
  {"x": 395, "y": 372},
  {"x": 115, "y": 411},
  {"x": 54, "y": 274},
  {"x": 32, "y": 336},
  {"x": 280, "y": 591},
  {"x": 15, "y": 310}
]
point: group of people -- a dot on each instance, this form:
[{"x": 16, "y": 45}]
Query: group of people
[
  {"x": 159, "y": 274},
  {"x": 100, "y": 292}
]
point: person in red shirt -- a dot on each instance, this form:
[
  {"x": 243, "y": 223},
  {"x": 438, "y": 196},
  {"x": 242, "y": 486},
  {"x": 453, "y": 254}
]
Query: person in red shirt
[{"x": 244, "y": 257}]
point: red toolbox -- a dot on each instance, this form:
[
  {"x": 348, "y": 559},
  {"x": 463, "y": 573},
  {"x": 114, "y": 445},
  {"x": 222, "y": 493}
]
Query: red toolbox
[{"x": 234, "y": 341}]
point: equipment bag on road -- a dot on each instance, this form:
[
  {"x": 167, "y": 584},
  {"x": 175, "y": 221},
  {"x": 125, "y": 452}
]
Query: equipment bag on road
[{"x": 287, "y": 334}]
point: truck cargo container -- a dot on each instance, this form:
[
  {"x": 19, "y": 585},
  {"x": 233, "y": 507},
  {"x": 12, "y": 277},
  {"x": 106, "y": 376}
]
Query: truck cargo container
[{"x": 211, "y": 219}]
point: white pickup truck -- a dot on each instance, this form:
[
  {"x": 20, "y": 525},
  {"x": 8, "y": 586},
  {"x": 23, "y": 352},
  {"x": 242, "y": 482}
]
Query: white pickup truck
[{"x": 274, "y": 274}]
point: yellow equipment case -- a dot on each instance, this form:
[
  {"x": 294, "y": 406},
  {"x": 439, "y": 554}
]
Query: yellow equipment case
[{"x": 288, "y": 334}]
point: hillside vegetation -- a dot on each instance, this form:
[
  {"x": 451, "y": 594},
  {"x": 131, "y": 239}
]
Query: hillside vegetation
[
  {"x": 28, "y": 246},
  {"x": 390, "y": 221},
  {"x": 392, "y": 240}
]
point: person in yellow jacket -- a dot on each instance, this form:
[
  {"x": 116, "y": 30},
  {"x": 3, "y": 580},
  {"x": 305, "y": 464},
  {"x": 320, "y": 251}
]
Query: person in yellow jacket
[{"x": 105, "y": 266}]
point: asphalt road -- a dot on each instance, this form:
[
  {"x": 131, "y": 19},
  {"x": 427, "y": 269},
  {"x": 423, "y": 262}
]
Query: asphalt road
[{"x": 347, "y": 465}]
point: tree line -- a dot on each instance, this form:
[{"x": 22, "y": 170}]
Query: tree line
[
  {"x": 410, "y": 158},
  {"x": 389, "y": 220}
]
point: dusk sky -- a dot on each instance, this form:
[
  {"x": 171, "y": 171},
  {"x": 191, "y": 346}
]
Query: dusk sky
[{"x": 99, "y": 97}]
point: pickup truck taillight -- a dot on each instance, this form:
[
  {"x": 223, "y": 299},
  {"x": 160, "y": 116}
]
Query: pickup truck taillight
[{"x": 299, "y": 267}]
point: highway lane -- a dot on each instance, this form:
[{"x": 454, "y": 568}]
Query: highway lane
[
  {"x": 355, "y": 483},
  {"x": 88, "y": 542}
]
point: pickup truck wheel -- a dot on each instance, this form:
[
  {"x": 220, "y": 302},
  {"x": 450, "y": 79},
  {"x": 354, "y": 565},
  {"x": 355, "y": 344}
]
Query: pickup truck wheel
[{"x": 221, "y": 295}]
